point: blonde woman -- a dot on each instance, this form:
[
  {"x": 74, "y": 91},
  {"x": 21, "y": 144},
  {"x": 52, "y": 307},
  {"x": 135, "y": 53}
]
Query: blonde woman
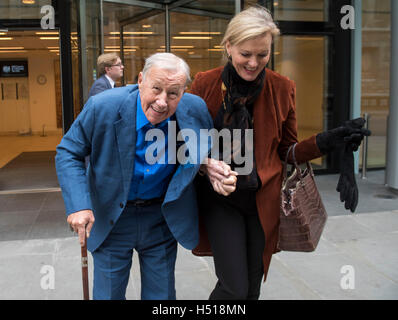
[{"x": 240, "y": 219}]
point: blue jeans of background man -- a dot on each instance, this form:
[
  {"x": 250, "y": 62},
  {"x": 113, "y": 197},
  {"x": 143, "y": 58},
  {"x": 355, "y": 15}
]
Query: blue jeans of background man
[{"x": 145, "y": 230}]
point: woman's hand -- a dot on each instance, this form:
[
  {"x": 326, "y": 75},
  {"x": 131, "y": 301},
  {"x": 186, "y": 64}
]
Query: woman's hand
[{"x": 221, "y": 177}]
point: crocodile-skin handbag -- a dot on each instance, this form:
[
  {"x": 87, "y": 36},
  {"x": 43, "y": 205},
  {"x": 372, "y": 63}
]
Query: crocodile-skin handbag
[{"x": 302, "y": 214}]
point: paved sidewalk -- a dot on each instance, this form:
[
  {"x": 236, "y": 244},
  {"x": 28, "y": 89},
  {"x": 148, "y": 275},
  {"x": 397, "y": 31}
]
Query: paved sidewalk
[
  {"x": 364, "y": 246},
  {"x": 356, "y": 258}
]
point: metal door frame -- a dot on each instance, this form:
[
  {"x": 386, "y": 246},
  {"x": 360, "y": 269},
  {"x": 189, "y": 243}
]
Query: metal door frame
[{"x": 154, "y": 8}]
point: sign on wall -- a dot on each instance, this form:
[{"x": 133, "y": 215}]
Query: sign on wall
[{"x": 13, "y": 68}]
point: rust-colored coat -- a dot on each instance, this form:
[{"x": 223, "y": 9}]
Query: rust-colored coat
[{"x": 275, "y": 129}]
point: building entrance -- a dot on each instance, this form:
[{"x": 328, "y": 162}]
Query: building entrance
[{"x": 30, "y": 109}]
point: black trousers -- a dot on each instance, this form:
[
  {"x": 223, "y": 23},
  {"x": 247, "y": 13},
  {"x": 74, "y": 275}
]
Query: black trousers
[{"x": 237, "y": 241}]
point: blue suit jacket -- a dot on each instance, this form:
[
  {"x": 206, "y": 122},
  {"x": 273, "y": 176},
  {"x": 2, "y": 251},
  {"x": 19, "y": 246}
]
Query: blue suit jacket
[
  {"x": 105, "y": 130},
  {"x": 99, "y": 85}
]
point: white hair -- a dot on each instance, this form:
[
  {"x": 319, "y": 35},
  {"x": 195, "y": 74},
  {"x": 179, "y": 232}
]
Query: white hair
[{"x": 167, "y": 61}]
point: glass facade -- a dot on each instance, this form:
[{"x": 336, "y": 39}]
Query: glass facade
[
  {"x": 22, "y": 9},
  {"x": 194, "y": 32},
  {"x": 293, "y": 10},
  {"x": 375, "y": 89},
  {"x": 304, "y": 59},
  {"x": 305, "y": 52}
]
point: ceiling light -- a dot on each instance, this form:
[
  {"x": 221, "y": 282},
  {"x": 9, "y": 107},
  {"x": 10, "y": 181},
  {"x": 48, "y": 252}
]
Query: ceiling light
[
  {"x": 6, "y": 38},
  {"x": 49, "y": 38},
  {"x": 146, "y": 26},
  {"x": 3, "y": 33},
  {"x": 13, "y": 51},
  {"x": 200, "y": 32},
  {"x": 46, "y": 33},
  {"x": 118, "y": 47},
  {"x": 132, "y": 32},
  {"x": 193, "y": 38},
  {"x": 28, "y": 1},
  {"x": 215, "y": 49},
  {"x": 115, "y": 49},
  {"x": 11, "y": 48},
  {"x": 126, "y": 38},
  {"x": 138, "y": 32},
  {"x": 162, "y": 49},
  {"x": 176, "y": 47}
]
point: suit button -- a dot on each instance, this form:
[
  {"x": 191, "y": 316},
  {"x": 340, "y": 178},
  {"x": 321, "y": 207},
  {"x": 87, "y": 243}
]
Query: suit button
[
  {"x": 121, "y": 205},
  {"x": 111, "y": 222}
]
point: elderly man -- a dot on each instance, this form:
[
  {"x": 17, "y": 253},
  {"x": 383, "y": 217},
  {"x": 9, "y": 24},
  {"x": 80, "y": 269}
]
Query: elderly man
[
  {"x": 135, "y": 205},
  {"x": 110, "y": 69}
]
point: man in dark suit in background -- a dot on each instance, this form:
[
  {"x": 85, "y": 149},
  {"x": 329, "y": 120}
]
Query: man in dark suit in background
[{"x": 110, "y": 69}]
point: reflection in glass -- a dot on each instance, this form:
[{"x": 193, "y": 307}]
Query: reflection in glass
[
  {"x": 221, "y": 6},
  {"x": 293, "y": 10},
  {"x": 136, "y": 46},
  {"x": 17, "y": 9},
  {"x": 375, "y": 89},
  {"x": 140, "y": 40},
  {"x": 197, "y": 39},
  {"x": 303, "y": 59}
]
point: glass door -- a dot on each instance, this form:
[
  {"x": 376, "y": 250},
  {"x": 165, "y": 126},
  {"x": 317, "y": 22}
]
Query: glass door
[
  {"x": 190, "y": 29},
  {"x": 141, "y": 38},
  {"x": 304, "y": 60}
]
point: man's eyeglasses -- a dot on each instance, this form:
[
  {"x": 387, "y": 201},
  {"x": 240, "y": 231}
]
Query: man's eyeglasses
[{"x": 117, "y": 65}]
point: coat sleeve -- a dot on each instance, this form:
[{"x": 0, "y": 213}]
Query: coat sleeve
[
  {"x": 70, "y": 161},
  {"x": 306, "y": 149},
  {"x": 196, "y": 87}
]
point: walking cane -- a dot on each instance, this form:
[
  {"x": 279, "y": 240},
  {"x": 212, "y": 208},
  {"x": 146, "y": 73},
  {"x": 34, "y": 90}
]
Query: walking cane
[{"x": 85, "y": 269}]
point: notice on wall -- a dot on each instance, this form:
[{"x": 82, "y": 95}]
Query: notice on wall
[
  {"x": 23, "y": 92},
  {"x": 9, "y": 91}
]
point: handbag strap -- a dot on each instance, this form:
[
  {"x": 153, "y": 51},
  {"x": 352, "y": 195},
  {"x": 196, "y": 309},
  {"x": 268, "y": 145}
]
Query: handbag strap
[{"x": 291, "y": 148}]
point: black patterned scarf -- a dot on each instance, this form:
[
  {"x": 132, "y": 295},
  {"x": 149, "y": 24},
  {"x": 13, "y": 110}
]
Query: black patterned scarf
[{"x": 236, "y": 112}]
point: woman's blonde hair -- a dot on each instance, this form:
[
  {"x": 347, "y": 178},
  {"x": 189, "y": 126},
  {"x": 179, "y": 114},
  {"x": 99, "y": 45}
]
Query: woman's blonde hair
[
  {"x": 249, "y": 24},
  {"x": 106, "y": 60}
]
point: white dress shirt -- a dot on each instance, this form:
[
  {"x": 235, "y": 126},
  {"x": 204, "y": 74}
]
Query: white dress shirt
[{"x": 110, "y": 80}]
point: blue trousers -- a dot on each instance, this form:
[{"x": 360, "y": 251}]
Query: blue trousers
[{"x": 145, "y": 230}]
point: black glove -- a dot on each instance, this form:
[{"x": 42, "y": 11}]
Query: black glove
[
  {"x": 347, "y": 185},
  {"x": 351, "y": 133}
]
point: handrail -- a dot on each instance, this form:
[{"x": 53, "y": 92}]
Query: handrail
[{"x": 366, "y": 116}]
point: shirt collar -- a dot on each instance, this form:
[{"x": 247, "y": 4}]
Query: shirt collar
[
  {"x": 110, "y": 80},
  {"x": 142, "y": 120}
]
